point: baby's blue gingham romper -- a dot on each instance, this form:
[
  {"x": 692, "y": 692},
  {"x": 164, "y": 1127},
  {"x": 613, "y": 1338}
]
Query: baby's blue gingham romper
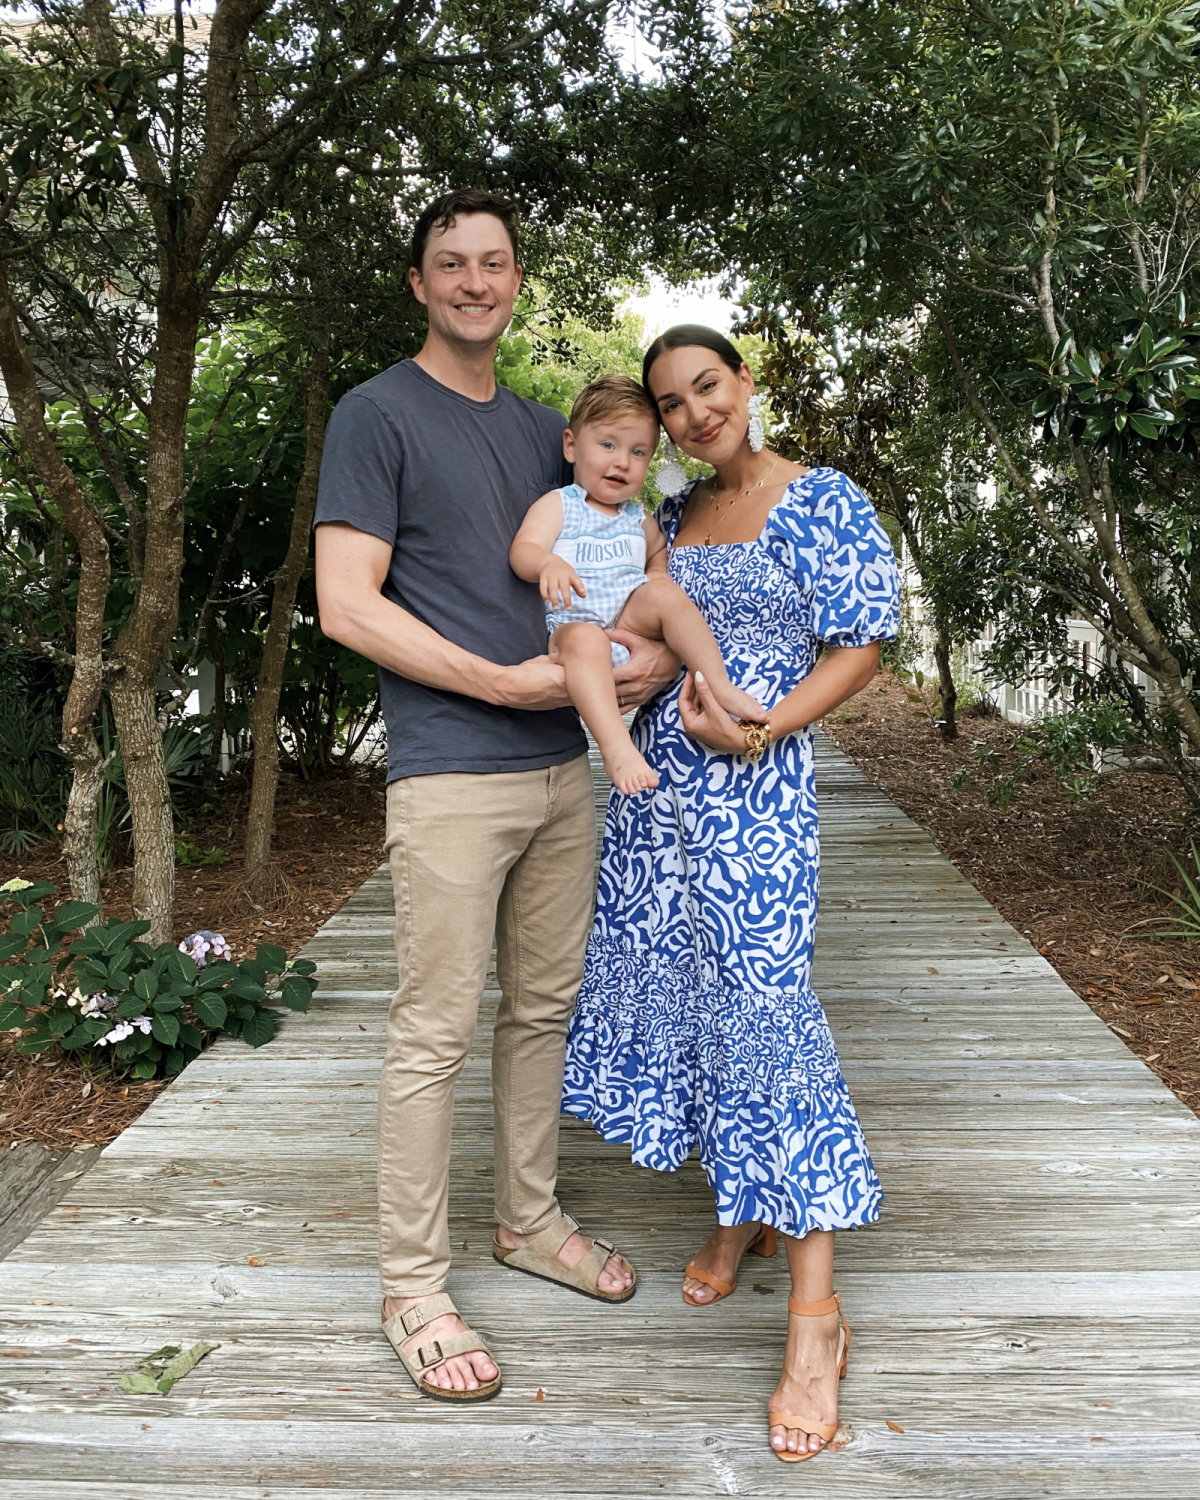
[{"x": 608, "y": 553}]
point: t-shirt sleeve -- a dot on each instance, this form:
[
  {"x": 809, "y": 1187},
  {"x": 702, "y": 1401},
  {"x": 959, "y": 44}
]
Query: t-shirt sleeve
[
  {"x": 826, "y": 534},
  {"x": 362, "y": 466}
]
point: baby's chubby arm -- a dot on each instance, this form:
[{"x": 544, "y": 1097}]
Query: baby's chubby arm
[
  {"x": 530, "y": 556},
  {"x": 656, "y": 547}
]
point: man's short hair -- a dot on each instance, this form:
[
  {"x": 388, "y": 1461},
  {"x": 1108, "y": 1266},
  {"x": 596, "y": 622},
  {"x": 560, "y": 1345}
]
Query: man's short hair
[
  {"x": 444, "y": 211},
  {"x": 611, "y": 396}
]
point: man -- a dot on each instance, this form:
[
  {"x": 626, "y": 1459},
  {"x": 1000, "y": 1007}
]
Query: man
[{"x": 428, "y": 471}]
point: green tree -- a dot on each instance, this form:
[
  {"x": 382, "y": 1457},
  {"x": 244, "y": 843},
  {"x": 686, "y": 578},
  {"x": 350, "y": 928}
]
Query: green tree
[
  {"x": 148, "y": 161},
  {"x": 1020, "y": 179}
]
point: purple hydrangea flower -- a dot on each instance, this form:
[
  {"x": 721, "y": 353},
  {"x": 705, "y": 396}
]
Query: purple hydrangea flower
[{"x": 198, "y": 945}]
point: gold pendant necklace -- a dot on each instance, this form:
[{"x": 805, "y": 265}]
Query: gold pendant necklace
[{"x": 708, "y": 540}]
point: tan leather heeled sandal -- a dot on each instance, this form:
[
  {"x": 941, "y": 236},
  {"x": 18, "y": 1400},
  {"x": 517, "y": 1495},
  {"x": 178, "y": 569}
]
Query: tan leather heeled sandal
[
  {"x": 402, "y": 1326},
  {"x": 826, "y": 1431},
  {"x": 762, "y": 1244}
]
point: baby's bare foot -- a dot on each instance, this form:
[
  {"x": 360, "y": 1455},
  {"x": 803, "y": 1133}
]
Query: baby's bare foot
[
  {"x": 629, "y": 772},
  {"x": 740, "y": 705}
]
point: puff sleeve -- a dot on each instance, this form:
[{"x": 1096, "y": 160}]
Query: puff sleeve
[
  {"x": 825, "y": 533},
  {"x": 670, "y": 512}
]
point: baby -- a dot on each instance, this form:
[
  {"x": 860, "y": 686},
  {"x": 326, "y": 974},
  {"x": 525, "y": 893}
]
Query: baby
[{"x": 592, "y": 540}]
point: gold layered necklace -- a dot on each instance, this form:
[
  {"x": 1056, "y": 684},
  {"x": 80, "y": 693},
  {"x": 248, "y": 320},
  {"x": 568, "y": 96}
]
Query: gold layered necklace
[{"x": 741, "y": 495}]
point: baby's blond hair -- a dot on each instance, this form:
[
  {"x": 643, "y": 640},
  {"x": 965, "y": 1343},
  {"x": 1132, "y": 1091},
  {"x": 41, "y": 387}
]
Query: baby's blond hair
[{"x": 608, "y": 397}]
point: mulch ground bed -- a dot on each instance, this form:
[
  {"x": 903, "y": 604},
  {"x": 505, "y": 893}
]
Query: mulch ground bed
[
  {"x": 328, "y": 839},
  {"x": 1069, "y": 876}
]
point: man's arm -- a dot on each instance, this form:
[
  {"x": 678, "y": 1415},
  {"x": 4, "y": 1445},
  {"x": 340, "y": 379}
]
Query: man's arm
[{"x": 351, "y": 569}]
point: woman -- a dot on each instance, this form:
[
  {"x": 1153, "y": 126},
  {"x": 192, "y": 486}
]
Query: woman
[{"x": 697, "y": 1023}]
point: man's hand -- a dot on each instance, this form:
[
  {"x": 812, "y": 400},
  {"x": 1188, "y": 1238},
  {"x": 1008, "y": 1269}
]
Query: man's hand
[
  {"x": 652, "y": 666},
  {"x": 556, "y": 581},
  {"x": 537, "y": 684}
]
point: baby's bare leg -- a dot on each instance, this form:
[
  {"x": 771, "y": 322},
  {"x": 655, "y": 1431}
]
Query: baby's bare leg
[
  {"x": 662, "y": 611},
  {"x": 585, "y": 654}
]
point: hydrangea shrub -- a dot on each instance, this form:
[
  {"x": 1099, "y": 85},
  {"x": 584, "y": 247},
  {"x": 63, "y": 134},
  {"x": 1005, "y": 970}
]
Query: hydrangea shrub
[{"x": 143, "y": 1011}]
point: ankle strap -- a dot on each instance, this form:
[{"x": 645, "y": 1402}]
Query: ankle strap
[{"x": 814, "y": 1309}]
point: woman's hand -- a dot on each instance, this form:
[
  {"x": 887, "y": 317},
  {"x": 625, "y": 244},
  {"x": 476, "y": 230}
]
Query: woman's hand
[{"x": 705, "y": 720}]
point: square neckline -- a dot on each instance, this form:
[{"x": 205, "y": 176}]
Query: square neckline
[{"x": 754, "y": 541}]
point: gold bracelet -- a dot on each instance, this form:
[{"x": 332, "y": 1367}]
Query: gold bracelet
[{"x": 758, "y": 737}]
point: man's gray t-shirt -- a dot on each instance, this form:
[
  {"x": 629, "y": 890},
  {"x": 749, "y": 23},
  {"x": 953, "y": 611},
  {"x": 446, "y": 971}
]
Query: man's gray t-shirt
[{"x": 446, "y": 482}]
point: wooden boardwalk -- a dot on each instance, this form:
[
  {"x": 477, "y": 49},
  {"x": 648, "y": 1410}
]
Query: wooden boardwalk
[{"x": 1027, "y": 1311}]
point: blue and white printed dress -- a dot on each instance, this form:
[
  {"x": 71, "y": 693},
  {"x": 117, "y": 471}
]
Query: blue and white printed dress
[{"x": 697, "y": 1023}]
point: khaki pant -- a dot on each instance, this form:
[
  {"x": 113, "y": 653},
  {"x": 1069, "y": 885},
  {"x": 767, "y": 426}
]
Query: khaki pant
[{"x": 473, "y": 856}]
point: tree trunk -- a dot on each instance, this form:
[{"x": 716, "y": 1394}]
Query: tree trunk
[
  {"x": 135, "y": 712},
  {"x": 946, "y": 687},
  {"x": 144, "y": 643},
  {"x": 83, "y": 696},
  {"x": 264, "y": 710}
]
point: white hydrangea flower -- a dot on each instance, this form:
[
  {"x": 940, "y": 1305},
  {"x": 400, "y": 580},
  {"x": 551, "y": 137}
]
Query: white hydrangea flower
[{"x": 16, "y": 884}]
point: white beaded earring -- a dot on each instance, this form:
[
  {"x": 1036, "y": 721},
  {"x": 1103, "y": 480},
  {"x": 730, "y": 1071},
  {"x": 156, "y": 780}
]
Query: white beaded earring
[
  {"x": 670, "y": 476},
  {"x": 755, "y": 433}
]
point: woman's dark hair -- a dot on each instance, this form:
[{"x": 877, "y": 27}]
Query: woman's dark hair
[{"x": 683, "y": 336}]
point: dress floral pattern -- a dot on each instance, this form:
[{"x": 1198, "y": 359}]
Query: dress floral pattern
[{"x": 696, "y": 1024}]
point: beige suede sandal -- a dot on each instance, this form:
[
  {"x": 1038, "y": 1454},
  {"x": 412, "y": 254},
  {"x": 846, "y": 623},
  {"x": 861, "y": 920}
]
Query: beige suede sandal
[
  {"x": 403, "y": 1325},
  {"x": 826, "y": 1431},
  {"x": 540, "y": 1258}
]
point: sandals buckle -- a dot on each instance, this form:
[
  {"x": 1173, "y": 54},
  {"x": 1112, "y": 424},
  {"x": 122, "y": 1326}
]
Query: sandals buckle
[
  {"x": 429, "y": 1355},
  {"x": 417, "y": 1318}
]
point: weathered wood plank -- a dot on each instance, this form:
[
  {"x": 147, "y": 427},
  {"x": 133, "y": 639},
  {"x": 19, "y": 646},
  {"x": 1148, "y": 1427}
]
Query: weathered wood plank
[{"x": 1027, "y": 1308}]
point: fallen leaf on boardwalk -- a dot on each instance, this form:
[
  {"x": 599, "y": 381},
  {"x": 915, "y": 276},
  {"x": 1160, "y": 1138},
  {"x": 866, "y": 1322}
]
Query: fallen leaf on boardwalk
[
  {"x": 465, "y": 1245},
  {"x": 631, "y": 1401},
  {"x": 933, "y": 971},
  {"x": 343, "y": 1215},
  {"x": 24, "y": 1354},
  {"x": 362, "y": 1028},
  {"x": 217, "y": 1184},
  {"x": 253, "y": 1260},
  {"x": 158, "y": 1372},
  {"x": 541, "y": 1395},
  {"x": 895, "y": 1426},
  {"x": 42, "y": 1302}
]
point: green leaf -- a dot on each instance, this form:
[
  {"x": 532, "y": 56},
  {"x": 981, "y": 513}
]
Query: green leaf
[
  {"x": 166, "y": 1004},
  {"x": 165, "y": 1028},
  {"x": 259, "y": 1028},
  {"x": 11, "y": 946},
  {"x": 11, "y": 1014},
  {"x": 211, "y": 1010},
  {"x": 1142, "y": 424},
  {"x": 247, "y": 989},
  {"x": 139, "y": 1385},
  {"x": 273, "y": 958},
  {"x": 191, "y": 1037},
  {"x": 130, "y": 1006},
  {"x": 24, "y": 922},
  {"x": 73, "y": 914},
  {"x": 295, "y": 992},
  {"x": 182, "y": 966},
  {"x": 144, "y": 1069},
  {"x": 145, "y": 984}
]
